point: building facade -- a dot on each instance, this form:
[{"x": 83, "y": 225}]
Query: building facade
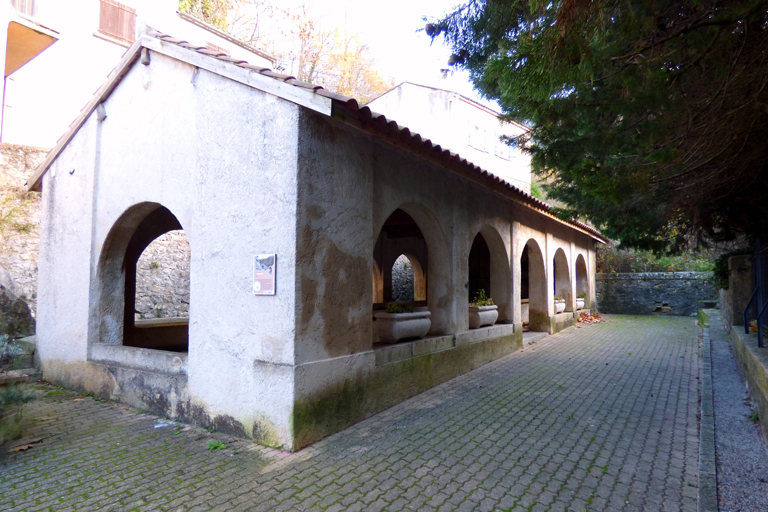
[
  {"x": 461, "y": 125},
  {"x": 43, "y": 97},
  {"x": 294, "y": 201}
]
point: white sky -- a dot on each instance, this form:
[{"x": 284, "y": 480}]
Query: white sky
[{"x": 389, "y": 28}]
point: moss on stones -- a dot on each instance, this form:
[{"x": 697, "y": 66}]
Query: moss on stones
[{"x": 353, "y": 400}]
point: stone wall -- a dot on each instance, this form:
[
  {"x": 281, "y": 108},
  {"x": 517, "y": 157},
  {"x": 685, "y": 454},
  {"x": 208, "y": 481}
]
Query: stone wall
[
  {"x": 19, "y": 221},
  {"x": 667, "y": 293},
  {"x": 162, "y": 278},
  {"x": 402, "y": 280}
]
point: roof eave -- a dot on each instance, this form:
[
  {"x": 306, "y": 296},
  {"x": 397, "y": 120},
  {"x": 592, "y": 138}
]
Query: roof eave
[{"x": 129, "y": 57}]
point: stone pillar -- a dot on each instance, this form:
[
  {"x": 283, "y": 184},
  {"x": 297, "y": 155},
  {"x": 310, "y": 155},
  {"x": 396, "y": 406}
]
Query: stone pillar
[{"x": 739, "y": 286}]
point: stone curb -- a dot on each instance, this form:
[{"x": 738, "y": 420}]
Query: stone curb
[{"x": 707, "y": 462}]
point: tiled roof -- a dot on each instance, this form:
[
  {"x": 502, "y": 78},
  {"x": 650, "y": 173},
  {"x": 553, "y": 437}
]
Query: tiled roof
[{"x": 344, "y": 108}]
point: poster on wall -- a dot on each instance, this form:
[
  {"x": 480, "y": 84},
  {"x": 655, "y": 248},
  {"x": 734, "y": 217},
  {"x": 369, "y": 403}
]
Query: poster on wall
[{"x": 264, "y": 268}]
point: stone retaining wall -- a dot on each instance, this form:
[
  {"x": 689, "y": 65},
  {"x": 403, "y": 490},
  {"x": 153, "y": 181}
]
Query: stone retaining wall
[
  {"x": 19, "y": 221},
  {"x": 753, "y": 364},
  {"x": 162, "y": 277},
  {"x": 667, "y": 293}
]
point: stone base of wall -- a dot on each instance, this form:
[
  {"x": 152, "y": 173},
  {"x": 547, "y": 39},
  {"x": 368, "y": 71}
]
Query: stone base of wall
[
  {"x": 753, "y": 363},
  {"x": 653, "y": 293},
  {"x": 352, "y": 401},
  {"x": 157, "y": 381}
]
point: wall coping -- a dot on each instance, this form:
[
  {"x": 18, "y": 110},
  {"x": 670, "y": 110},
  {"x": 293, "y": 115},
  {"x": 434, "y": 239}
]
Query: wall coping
[
  {"x": 639, "y": 276},
  {"x": 158, "y": 361}
]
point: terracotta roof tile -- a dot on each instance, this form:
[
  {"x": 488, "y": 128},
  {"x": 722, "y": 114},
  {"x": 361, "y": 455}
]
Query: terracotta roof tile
[
  {"x": 258, "y": 69},
  {"x": 305, "y": 85},
  {"x": 212, "y": 53},
  {"x": 233, "y": 60},
  {"x": 192, "y": 47},
  {"x": 278, "y": 76},
  {"x": 350, "y": 102}
]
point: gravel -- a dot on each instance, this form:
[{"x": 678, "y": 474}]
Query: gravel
[{"x": 742, "y": 453}]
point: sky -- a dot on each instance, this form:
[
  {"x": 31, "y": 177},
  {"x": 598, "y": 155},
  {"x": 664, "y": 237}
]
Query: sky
[{"x": 390, "y": 30}]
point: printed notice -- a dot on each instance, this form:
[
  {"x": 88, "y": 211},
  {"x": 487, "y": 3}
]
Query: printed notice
[{"x": 264, "y": 267}]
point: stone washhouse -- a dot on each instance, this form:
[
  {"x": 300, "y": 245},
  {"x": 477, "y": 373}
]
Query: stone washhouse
[{"x": 249, "y": 162}]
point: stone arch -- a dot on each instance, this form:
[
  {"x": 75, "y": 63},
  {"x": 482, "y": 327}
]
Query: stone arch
[
  {"x": 582, "y": 278},
  {"x": 489, "y": 255},
  {"x": 426, "y": 248},
  {"x": 136, "y": 229},
  {"x": 533, "y": 276},
  {"x": 562, "y": 278}
]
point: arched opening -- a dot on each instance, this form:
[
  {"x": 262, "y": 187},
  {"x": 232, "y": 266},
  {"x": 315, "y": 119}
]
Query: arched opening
[
  {"x": 533, "y": 288},
  {"x": 137, "y": 308},
  {"x": 408, "y": 283},
  {"x": 562, "y": 279},
  {"x": 582, "y": 280},
  {"x": 479, "y": 268},
  {"x": 489, "y": 270},
  {"x": 400, "y": 251},
  {"x": 162, "y": 278}
]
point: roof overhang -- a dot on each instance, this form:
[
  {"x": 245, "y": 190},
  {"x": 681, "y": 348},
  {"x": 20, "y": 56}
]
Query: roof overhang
[{"x": 26, "y": 40}]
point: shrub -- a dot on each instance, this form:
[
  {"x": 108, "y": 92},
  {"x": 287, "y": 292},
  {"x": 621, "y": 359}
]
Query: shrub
[
  {"x": 612, "y": 260},
  {"x": 481, "y": 300},
  {"x": 398, "y": 308}
]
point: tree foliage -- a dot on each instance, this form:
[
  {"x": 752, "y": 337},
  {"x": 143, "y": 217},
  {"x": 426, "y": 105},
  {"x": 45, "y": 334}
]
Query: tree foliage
[
  {"x": 306, "y": 48},
  {"x": 332, "y": 57},
  {"x": 215, "y": 12},
  {"x": 650, "y": 116}
]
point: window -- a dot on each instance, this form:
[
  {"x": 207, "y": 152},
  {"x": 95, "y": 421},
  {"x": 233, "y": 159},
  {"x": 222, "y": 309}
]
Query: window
[
  {"x": 499, "y": 146},
  {"x": 117, "y": 22},
  {"x": 27, "y": 7},
  {"x": 512, "y": 151},
  {"x": 476, "y": 136}
]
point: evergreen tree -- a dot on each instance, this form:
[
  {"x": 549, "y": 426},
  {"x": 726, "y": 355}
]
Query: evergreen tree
[{"x": 650, "y": 116}]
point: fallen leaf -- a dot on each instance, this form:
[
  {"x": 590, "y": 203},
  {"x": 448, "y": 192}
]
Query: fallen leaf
[{"x": 22, "y": 447}]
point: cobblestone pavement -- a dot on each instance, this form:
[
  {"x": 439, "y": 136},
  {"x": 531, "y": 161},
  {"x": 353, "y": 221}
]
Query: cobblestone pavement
[{"x": 602, "y": 417}]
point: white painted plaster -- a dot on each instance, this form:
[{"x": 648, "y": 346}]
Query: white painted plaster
[
  {"x": 65, "y": 251},
  {"x": 447, "y": 118}
]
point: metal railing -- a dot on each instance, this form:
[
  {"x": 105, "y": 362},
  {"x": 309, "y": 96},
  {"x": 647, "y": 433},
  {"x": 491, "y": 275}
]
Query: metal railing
[{"x": 757, "y": 304}]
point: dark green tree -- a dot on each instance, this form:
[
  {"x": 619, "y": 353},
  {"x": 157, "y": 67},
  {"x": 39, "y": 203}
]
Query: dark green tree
[{"x": 650, "y": 117}]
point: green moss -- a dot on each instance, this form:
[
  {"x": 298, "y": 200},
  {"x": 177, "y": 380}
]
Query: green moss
[
  {"x": 703, "y": 318},
  {"x": 265, "y": 433},
  {"x": 353, "y": 400}
]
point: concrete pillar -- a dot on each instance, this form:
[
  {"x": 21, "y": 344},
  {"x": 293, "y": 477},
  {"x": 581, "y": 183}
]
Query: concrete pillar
[
  {"x": 516, "y": 252},
  {"x": 549, "y": 269}
]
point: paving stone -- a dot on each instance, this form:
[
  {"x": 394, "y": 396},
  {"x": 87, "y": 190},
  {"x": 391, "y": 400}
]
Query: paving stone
[{"x": 552, "y": 424}]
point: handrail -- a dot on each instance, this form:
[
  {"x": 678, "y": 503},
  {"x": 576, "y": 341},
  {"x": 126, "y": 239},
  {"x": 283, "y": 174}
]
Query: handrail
[{"x": 746, "y": 310}]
